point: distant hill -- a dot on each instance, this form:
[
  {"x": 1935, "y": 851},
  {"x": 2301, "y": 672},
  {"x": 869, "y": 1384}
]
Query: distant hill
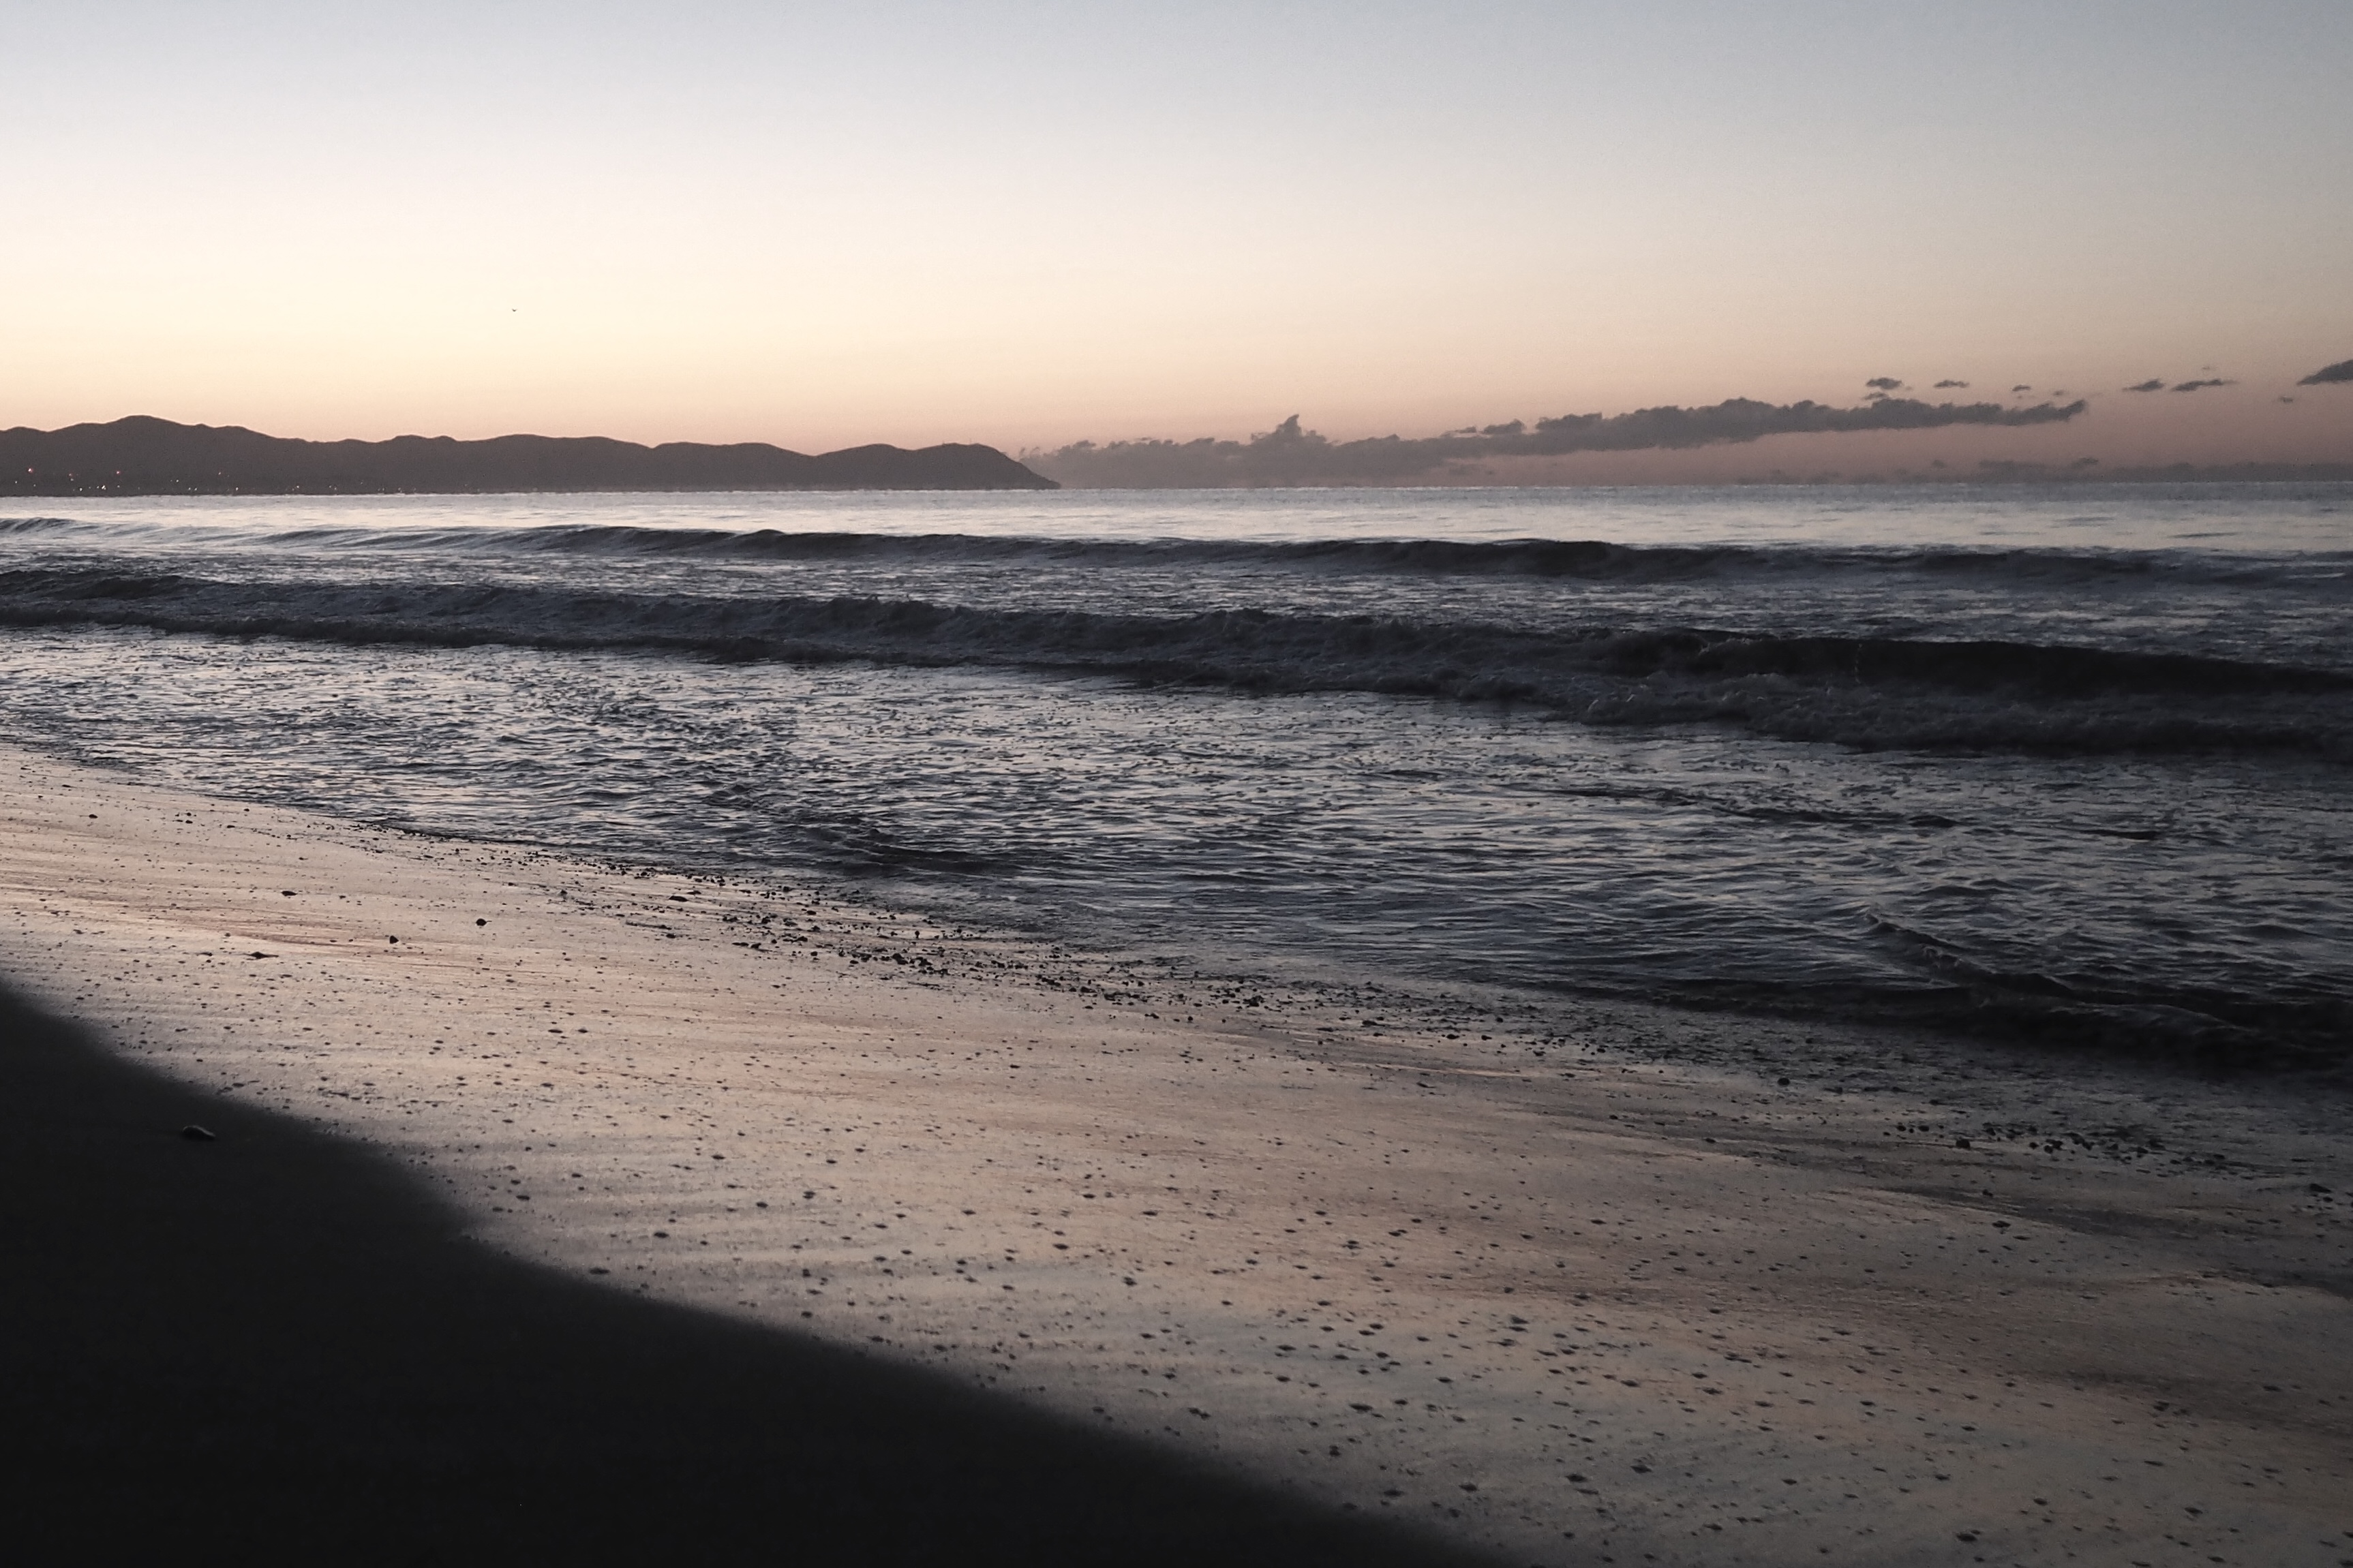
[{"x": 142, "y": 456}]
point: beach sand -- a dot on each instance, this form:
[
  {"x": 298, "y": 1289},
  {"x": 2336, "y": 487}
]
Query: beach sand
[{"x": 558, "y": 1203}]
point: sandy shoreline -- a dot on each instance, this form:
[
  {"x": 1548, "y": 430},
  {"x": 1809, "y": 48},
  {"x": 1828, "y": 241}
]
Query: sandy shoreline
[{"x": 1523, "y": 1286}]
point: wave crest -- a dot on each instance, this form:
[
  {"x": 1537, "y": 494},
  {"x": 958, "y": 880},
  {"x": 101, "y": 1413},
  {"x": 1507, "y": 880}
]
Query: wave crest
[
  {"x": 1560, "y": 559},
  {"x": 1865, "y": 692}
]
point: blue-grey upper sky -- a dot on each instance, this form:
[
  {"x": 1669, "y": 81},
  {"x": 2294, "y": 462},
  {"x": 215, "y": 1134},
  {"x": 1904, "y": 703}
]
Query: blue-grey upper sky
[{"x": 1029, "y": 223}]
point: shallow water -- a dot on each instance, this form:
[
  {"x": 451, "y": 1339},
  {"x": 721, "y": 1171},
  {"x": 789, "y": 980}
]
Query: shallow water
[{"x": 2008, "y": 758}]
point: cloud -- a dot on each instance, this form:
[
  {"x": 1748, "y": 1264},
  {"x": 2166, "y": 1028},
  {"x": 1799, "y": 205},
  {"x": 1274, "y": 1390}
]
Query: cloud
[
  {"x": 1943, "y": 385},
  {"x": 1740, "y": 419},
  {"x": 1291, "y": 455},
  {"x": 2341, "y": 370},
  {"x": 2154, "y": 384},
  {"x": 2022, "y": 386},
  {"x": 1884, "y": 384},
  {"x": 2201, "y": 386}
]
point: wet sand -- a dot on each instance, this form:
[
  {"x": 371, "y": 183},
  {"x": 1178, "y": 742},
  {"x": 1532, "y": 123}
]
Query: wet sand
[{"x": 1278, "y": 1265}]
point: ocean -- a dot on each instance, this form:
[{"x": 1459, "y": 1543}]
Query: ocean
[{"x": 2066, "y": 764}]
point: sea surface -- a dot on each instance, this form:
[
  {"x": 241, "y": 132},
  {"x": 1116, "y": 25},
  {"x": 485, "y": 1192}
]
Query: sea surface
[{"x": 2073, "y": 763}]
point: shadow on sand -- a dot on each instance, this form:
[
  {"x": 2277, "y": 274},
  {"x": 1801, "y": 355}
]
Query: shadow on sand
[{"x": 277, "y": 1344}]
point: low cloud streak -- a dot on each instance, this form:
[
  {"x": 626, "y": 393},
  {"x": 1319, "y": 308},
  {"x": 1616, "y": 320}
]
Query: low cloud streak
[{"x": 1291, "y": 455}]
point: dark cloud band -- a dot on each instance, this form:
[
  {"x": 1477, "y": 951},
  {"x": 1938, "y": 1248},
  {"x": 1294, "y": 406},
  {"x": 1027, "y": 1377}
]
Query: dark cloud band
[{"x": 1288, "y": 455}]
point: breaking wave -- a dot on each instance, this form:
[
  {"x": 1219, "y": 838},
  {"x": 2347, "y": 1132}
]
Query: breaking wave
[
  {"x": 1563, "y": 559},
  {"x": 1874, "y": 692}
]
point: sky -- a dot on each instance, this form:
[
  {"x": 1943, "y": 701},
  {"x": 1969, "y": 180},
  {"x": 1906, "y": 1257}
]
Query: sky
[{"x": 1032, "y": 224}]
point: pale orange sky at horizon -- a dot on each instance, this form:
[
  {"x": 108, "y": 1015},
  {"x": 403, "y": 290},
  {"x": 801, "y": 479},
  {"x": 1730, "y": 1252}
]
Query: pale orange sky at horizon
[{"x": 1030, "y": 224}]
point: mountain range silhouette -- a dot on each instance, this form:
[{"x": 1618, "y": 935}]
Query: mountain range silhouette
[{"x": 146, "y": 455}]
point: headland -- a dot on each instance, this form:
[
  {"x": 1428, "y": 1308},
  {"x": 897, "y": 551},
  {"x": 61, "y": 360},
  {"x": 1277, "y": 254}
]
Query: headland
[{"x": 145, "y": 456}]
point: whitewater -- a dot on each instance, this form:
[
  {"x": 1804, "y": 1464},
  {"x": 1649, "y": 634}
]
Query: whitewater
[{"x": 2064, "y": 763}]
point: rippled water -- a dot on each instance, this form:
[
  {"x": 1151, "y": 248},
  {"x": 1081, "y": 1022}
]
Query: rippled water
[{"x": 2070, "y": 760}]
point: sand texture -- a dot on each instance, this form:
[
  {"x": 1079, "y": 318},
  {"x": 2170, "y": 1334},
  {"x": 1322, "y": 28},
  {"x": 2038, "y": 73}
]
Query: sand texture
[{"x": 1324, "y": 1272}]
